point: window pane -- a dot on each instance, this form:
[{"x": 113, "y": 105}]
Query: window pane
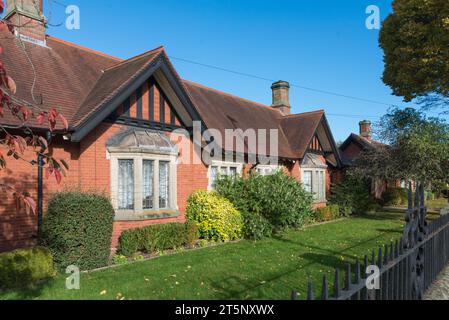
[
  {"x": 213, "y": 177},
  {"x": 223, "y": 171},
  {"x": 163, "y": 184},
  {"x": 126, "y": 185},
  {"x": 148, "y": 181},
  {"x": 233, "y": 171},
  {"x": 307, "y": 181}
]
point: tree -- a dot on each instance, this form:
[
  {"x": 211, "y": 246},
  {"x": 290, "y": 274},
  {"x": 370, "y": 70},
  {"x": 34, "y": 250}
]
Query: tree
[
  {"x": 418, "y": 149},
  {"x": 22, "y": 138},
  {"x": 415, "y": 40}
]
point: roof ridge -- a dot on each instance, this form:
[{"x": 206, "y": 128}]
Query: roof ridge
[
  {"x": 304, "y": 113},
  {"x": 231, "y": 95},
  {"x": 160, "y": 48},
  {"x": 77, "y": 46}
]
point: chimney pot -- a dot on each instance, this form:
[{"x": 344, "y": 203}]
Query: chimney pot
[
  {"x": 366, "y": 129},
  {"x": 281, "y": 97}
]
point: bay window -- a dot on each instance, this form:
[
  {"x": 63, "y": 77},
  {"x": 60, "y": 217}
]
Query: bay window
[
  {"x": 143, "y": 175},
  {"x": 313, "y": 176}
]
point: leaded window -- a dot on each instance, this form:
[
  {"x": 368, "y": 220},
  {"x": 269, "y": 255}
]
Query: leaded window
[{"x": 126, "y": 185}]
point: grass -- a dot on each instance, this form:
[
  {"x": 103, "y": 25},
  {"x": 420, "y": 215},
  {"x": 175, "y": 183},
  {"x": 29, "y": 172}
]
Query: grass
[
  {"x": 437, "y": 203},
  {"x": 268, "y": 269}
]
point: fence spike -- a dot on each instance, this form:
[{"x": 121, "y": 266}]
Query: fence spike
[
  {"x": 379, "y": 259},
  {"x": 294, "y": 295},
  {"x": 337, "y": 284},
  {"x": 310, "y": 291},
  {"x": 373, "y": 258},
  {"x": 348, "y": 277},
  {"x": 396, "y": 249},
  {"x": 325, "y": 291},
  {"x": 358, "y": 277},
  {"x": 366, "y": 264},
  {"x": 391, "y": 251},
  {"x": 386, "y": 254}
]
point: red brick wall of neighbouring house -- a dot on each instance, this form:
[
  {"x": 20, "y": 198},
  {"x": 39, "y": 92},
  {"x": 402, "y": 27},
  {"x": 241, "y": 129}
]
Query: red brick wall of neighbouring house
[
  {"x": 352, "y": 151},
  {"x": 89, "y": 170}
]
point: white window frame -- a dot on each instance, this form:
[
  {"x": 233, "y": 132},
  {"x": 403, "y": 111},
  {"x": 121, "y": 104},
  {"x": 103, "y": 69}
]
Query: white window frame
[
  {"x": 138, "y": 159},
  {"x": 272, "y": 168},
  {"x": 319, "y": 186},
  {"x": 220, "y": 165}
]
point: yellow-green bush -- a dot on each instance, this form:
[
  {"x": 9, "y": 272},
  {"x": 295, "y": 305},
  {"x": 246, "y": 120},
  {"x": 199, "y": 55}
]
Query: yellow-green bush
[
  {"x": 24, "y": 267},
  {"x": 328, "y": 213},
  {"x": 217, "y": 218}
]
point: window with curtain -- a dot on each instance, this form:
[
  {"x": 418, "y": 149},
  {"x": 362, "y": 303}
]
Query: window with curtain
[
  {"x": 126, "y": 185},
  {"x": 148, "y": 184},
  {"x": 163, "y": 184},
  {"x": 307, "y": 181},
  {"x": 314, "y": 181}
]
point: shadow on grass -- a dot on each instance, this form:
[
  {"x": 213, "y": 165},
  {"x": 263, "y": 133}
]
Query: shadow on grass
[{"x": 27, "y": 293}]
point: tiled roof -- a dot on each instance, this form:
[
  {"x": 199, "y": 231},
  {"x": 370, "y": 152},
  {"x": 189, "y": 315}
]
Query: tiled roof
[{"x": 79, "y": 81}]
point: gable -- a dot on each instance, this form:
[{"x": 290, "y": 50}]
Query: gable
[
  {"x": 148, "y": 107},
  {"x": 126, "y": 81}
]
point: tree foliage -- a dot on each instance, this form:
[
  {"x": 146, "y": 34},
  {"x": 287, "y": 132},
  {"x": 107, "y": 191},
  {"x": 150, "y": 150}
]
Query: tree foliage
[
  {"x": 418, "y": 149},
  {"x": 415, "y": 40},
  {"x": 15, "y": 143}
]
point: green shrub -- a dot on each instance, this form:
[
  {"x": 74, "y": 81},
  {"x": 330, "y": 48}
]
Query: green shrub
[
  {"x": 395, "y": 197},
  {"x": 216, "y": 217},
  {"x": 328, "y": 213},
  {"x": 156, "y": 238},
  {"x": 78, "y": 229},
  {"x": 25, "y": 267},
  {"x": 267, "y": 203},
  {"x": 119, "y": 259},
  {"x": 192, "y": 233},
  {"x": 353, "y": 196}
]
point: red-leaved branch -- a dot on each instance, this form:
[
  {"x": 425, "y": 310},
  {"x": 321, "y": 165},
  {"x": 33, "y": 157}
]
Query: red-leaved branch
[{"x": 17, "y": 143}]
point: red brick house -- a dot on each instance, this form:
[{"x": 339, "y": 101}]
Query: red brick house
[
  {"x": 354, "y": 145},
  {"x": 122, "y": 114}
]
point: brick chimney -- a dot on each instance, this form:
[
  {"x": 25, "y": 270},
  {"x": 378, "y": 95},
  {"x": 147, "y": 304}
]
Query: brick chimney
[
  {"x": 281, "y": 97},
  {"x": 28, "y": 19},
  {"x": 365, "y": 129}
]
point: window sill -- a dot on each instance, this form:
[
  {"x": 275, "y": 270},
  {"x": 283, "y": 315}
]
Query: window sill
[{"x": 130, "y": 215}]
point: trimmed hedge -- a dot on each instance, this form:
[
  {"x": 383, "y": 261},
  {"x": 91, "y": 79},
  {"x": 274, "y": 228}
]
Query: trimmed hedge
[
  {"x": 217, "y": 218},
  {"x": 78, "y": 229},
  {"x": 395, "y": 197},
  {"x": 328, "y": 213},
  {"x": 25, "y": 267},
  {"x": 157, "y": 237},
  {"x": 268, "y": 203}
]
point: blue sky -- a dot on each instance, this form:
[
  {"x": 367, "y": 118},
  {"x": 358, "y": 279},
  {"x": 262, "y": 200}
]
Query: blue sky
[{"x": 322, "y": 44}]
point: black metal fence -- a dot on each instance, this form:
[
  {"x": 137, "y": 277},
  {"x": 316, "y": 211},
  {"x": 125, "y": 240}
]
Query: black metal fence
[{"x": 406, "y": 268}]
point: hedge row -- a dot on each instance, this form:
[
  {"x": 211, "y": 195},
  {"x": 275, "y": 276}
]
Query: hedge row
[
  {"x": 24, "y": 267},
  {"x": 156, "y": 238},
  {"x": 78, "y": 229}
]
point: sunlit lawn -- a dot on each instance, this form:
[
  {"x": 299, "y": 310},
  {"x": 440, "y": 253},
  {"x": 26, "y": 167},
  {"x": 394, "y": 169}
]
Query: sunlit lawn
[
  {"x": 437, "y": 203},
  {"x": 268, "y": 269}
]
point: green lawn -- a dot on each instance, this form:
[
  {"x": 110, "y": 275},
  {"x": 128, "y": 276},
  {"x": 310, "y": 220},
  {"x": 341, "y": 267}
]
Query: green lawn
[
  {"x": 267, "y": 269},
  {"x": 437, "y": 203}
]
